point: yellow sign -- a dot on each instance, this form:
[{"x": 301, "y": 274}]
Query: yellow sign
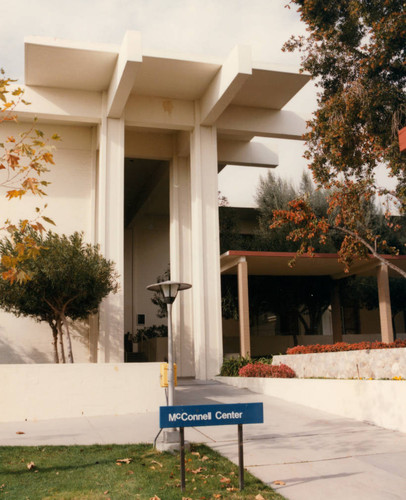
[{"x": 164, "y": 374}]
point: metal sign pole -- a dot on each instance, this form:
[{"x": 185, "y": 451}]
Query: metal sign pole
[
  {"x": 241, "y": 456},
  {"x": 182, "y": 458}
]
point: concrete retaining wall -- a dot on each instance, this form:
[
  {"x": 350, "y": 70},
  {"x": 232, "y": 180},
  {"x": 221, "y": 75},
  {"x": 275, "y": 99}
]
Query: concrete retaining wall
[
  {"x": 374, "y": 363},
  {"x": 44, "y": 391},
  {"x": 380, "y": 402}
]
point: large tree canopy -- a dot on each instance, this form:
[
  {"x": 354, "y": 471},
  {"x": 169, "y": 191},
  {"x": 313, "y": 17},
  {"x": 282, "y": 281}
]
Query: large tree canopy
[{"x": 355, "y": 50}]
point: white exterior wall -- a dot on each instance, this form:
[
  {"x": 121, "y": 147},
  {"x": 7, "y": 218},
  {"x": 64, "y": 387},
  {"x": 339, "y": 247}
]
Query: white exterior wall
[{"x": 70, "y": 199}]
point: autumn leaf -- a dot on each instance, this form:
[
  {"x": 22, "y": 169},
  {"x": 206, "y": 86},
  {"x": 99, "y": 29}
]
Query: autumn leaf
[
  {"x": 197, "y": 471},
  {"x": 155, "y": 462},
  {"x": 259, "y": 497},
  {"x": 279, "y": 483},
  {"x": 31, "y": 466},
  {"x": 20, "y": 432},
  {"x": 120, "y": 461},
  {"x": 226, "y": 480}
]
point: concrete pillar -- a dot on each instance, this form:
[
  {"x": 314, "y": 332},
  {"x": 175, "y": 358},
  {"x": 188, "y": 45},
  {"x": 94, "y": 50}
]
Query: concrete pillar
[
  {"x": 110, "y": 235},
  {"x": 181, "y": 263},
  {"x": 336, "y": 314},
  {"x": 243, "y": 308},
  {"x": 385, "y": 312},
  {"x": 207, "y": 327}
]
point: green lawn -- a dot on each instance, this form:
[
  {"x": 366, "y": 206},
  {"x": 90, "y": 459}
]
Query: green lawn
[{"x": 83, "y": 472}]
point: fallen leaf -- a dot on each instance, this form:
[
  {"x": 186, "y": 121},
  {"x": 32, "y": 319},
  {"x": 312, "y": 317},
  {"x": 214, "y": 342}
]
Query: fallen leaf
[
  {"x": 187, "y": 498},
  {"x": 30, "y": 466},
  {"x": 105, "y": 492},
  {"x": 130, "y": 472},
  {"x": 153, "y": 467},
  {"x": 124, "y": 460},
  {"x": 281, "y": 483},
  {"x": 155, "y": 498},
  {"x": 20, "y": 432},
  {"x": 225, "y": 480},
  {"x": 196, "y": 453},
  {"x": 155, "y": 462},
  {"x": 259, "y": 497},
  {"x": 196, "y": 471},
  {"x": 231, "y": 488},
  {"x": 217, "y": 495},
  {"x": 204, "y": 458}
]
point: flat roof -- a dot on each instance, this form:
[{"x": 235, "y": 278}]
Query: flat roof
[{"x": 320, "y": 264}]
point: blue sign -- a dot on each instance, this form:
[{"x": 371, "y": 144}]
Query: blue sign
[{"x": 205, "y": 415}]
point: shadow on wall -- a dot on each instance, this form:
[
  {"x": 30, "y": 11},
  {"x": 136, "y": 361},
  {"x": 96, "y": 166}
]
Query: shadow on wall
[{"x": 12, "y": 356}]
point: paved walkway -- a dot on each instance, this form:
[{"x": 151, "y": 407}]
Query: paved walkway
[{"x": 317, "y": 455}]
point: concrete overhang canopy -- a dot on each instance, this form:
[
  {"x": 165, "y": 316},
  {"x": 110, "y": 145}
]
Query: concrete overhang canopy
[
  {"x": 321, "y": 264},
  {"x": 51, "y": 62}
]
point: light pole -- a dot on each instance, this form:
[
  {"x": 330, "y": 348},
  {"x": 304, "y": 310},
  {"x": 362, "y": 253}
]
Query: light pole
[{"x": 169, "y": 291}]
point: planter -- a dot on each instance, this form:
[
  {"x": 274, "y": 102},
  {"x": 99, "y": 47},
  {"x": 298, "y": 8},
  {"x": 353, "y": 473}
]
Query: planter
[
  {"x": 379, "y": 402},
  {"x": 366, "y": 364}
]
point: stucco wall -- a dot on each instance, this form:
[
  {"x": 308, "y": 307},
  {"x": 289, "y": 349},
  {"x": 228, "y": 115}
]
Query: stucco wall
[
  {"x": 70, "y": 199},
  {"x": 380, "y": 402},
  {"x": 43, "y": 391}
]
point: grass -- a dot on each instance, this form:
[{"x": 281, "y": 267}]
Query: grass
[{"x": 92, "y": 472}]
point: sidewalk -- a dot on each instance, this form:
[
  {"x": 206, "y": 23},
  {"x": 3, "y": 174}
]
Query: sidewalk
[{"x": 317, "y": 455}]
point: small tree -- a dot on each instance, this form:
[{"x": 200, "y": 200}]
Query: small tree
[{"x": 69, "y": 279}]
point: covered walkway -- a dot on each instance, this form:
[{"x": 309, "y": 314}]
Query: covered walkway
[{"x": 245, "y": 263}]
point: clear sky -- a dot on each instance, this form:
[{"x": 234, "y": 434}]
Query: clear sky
[{"x": 197, "y": 27}]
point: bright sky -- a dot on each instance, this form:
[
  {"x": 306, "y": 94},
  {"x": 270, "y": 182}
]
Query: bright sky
[{"x": 196, "y": 27}]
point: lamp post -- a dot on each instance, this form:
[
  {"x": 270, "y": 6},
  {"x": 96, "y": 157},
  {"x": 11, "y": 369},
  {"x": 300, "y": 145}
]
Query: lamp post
[{"x": 169, "y": 291}]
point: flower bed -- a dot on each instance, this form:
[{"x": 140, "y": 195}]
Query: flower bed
[
  {"x": 267, "y": 371},
  {"x": 343, "y": 346}
]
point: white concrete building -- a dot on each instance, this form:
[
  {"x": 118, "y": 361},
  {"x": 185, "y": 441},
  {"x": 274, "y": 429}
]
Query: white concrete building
[{"x": 144, "y": 136}]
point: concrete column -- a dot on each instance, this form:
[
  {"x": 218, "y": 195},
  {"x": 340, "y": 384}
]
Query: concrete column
[
  {"x": 181, "y": 263},
  {"x": 110, "y": 235},
  {"x": 207, "y": 328},
  {"x": 243, "y": 308},
  {"x": 385, "y": 312},
  {"x": 336, "y": 314}
]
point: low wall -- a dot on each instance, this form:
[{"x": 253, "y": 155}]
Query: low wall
[
  {"x": 44, "y": 391},
  {"x": 379, "y": 402},
  {"x": 374, "y": 363},
  {"x": 273, "y": 344}
]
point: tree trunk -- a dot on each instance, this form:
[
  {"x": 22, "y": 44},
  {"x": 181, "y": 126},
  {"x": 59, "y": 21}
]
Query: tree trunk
[
  {"x": 59, "y": 326},
  {"x": 55, "y": 341},
  {"x": 69, "y": 343}
]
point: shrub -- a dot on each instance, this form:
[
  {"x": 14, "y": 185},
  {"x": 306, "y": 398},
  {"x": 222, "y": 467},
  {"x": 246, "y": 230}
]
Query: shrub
[
  {"x": 151, "y": 332},
  {"x": 266, "y": 371},
  {"x": 343, "y": 346},
  {"x": 231, "y": 366}
]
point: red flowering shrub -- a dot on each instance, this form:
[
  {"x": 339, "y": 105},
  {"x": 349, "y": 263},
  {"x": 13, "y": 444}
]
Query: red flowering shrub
[
  {"x": 343, "y": 346},
  {"x": 267, "y": 371}
]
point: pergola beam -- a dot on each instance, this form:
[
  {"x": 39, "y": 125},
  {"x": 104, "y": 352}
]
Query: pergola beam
[
  {"x": 248, "y": 121},
  {"x": 122, "y": 82},
  {"x": 226, "y": 84}
]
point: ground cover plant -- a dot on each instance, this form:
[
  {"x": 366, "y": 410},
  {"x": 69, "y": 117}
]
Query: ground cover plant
[
  {"x": 231, "y": 366},
  {"x": 267, "y": 371},
  {"x": 343, "y": 346},
  {"x": 120, "y": 472}
]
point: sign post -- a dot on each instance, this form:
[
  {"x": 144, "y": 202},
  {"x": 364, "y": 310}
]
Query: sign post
[{"x": 208, "y": 415}]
